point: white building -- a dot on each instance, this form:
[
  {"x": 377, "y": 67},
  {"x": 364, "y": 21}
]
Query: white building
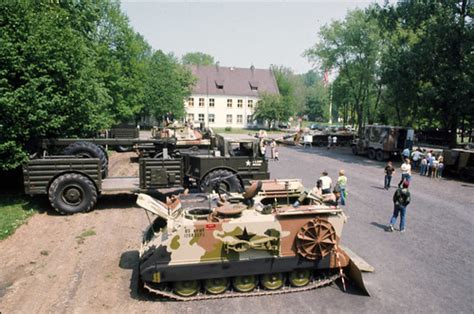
[{"x": 226, "y": 97}]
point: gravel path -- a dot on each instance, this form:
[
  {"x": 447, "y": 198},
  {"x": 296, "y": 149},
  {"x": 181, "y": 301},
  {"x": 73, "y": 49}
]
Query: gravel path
[{"x": 84, "y": 263}]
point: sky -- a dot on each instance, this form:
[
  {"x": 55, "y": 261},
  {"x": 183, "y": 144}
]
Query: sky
[{"x": 237, "y": 33}]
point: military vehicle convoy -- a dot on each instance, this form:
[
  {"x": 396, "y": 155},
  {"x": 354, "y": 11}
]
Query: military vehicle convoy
[
  {"x": 252, "y": 243},
  {"x": 74, "y": 183},
  {"x": 381, "y": 141}
]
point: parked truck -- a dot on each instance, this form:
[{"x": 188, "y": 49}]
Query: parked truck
[
  {"x": 74, "y": 183},
  {"x": 460, "y": 162},
  {"x": 382, "y": 141}
]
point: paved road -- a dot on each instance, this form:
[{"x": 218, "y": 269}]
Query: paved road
[
  {"x": 427, "y": 269},
  {"x": 48, "y": 266}
]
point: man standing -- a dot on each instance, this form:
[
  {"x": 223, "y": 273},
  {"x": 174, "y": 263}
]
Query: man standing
[
  {"x": 401, "y": 199},
  {"x": 326, "y": 183},
  {"x": 416, "y": 157},
  {"x": 406, "y": 172},
  {"x": 405, "y": 154}
]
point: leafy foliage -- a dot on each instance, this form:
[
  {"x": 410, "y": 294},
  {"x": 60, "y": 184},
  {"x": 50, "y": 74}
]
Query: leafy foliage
[
  {"x": 197, "y": 58},
  {"x": 162, "y": 94},
  {"x": 72, "y": 68}
]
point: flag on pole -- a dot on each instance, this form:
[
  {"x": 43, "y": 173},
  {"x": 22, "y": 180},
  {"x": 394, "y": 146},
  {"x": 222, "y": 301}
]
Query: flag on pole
[{"x": 326, "y": 78}]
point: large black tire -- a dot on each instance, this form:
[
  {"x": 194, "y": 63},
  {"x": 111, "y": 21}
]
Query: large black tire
[
  {"x": 371, "y": 153},
  {"x": 379, "y": 155},
  {"x": 90, "y": 150},
  {"x": 230, "y": 184},
  {"x": 72, "y": 193}
]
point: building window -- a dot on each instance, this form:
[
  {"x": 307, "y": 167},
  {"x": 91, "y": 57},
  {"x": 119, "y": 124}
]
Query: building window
[
  {"x": 201, "y": 102},
  {"x": 249, "y": 119},
  {"x": 239, "y": 119},
  {"x": 191, "y": 117},
  {"x": 228, "y": 119},
  {"x": 250, "y": 103},
  {"x": 201, "y": 117},
  {"x": 229, "y": 103},
  {"x": 239, "y": 103},
  {"x": 211, "y": 102},
  {"x": 190, "y": 102},
  {"x": 211, "y": 118}
]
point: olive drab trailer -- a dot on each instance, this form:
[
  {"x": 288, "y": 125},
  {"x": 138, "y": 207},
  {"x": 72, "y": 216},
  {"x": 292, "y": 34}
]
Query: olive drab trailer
[
  {"x": 74, "y": 183},
  {"x": 380, "y": 142},
  {"x": 208, "y": 246}
]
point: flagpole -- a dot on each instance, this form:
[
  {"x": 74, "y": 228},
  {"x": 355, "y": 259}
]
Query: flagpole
[{"x": 330, "y": 104}]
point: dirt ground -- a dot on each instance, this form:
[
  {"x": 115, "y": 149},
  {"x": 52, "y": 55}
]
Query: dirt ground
[{"x": 86, "y": 263}]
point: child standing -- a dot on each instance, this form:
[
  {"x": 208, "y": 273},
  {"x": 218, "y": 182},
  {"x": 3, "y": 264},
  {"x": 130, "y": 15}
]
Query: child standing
[
  {"x": 389, "y": 170},
  {"x": 342, "y": 183}
]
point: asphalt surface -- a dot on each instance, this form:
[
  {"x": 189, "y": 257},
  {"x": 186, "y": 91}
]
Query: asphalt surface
[
  {"x": 48, "y": 266},
  {"x": 427, "y": 269}
]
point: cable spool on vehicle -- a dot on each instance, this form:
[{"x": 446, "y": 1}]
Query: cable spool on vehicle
[{"x": 316, "y": 239}]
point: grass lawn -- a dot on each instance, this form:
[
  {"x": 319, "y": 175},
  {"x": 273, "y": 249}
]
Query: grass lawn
[{"x": 15, "y": 209}]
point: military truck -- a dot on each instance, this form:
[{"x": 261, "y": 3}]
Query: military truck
[
  {"x": 74, "y": 183},
  {"x": 459, "y": 162},
  {"x": 382, "y": 141},
  {"x": 203, "y": 247}
]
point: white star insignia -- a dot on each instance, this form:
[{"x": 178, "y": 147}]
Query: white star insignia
[{"x": 248, "y": 163}]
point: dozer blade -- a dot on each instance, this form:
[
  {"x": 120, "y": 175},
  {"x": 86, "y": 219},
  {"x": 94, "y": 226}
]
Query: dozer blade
[{"x": 354, "y": 270}]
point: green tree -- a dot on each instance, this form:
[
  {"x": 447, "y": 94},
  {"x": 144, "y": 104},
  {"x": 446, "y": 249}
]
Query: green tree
[
  {"x": 351, "y": 47},
  {"x": 49, "y": 84},
  {"x": 428, "y": 66},
  {"x": 197, "y": 58},
  {"x": 272, "y": 108},
  {"x": 167, "y": 84}
]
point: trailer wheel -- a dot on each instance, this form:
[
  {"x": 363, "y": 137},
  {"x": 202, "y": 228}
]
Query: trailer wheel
[
  {"x": 72, "y": 193},
  {"x": 123, "y": 149},
  {"x": 379, "y": 155},
  {"x": 89, "y": 150},
  {"x": 371, "y": 153},
  {"x": 231, "y": 183},
  {"x": 354, "y": 150}
]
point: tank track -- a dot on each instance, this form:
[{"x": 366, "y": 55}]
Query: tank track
[{"x": 315, "y": 283}]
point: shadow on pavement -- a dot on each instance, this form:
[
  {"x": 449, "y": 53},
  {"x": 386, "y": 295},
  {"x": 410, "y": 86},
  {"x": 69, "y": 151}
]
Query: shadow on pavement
[
  {"x": 381, "y": 226},
  {"x": 377, "y": 187}
]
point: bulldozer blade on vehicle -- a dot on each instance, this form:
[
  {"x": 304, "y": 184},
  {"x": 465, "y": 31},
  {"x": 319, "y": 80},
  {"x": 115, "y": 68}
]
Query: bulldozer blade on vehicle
[{"x": 354, "y": 270}]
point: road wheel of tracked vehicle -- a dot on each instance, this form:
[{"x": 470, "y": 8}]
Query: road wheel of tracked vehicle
[
  {"x": 186, "y": 288},
  {"x": 371, "y": 153},
  {"x": 216, "y": 285},
  {"x": 244, "y": 283},
  {"x": 231, "y": 182},
  {"x": 354, "y": 149},
  {"x": 316, "y": 239},
  {"x": 89, "y": 150},
  {"x": 72, "y": 193},
  {"x": 272, "y": 281},
  {"x": 299, "y": 277},
  {"x": 379, "y": 155}
]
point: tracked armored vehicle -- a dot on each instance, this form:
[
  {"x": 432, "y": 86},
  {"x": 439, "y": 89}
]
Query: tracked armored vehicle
[{"x": 255, "y": 243}]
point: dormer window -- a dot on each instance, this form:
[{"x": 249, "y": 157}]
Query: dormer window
[
  {"x": 253, "y": 85},
  {"x": 219, "y": 84}
]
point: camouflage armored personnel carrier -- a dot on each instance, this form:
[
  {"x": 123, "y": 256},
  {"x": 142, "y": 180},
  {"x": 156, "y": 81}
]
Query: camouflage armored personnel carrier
[{"x": 255, "y": 243}]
